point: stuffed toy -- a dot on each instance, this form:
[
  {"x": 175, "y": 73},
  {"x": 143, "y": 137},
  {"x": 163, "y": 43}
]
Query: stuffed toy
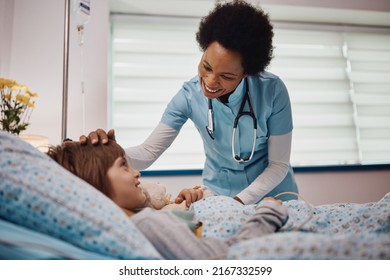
[
  {"x": 158, "y": 198},
  {"x": 156, "y": 194}
]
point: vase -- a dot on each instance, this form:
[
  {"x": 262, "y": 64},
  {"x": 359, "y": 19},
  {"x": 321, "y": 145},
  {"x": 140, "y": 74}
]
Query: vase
[{"x": 38, "y": 141}]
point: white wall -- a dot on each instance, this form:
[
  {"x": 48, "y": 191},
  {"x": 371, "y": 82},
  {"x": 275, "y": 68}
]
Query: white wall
[
  {"x": 346, "y": 186},
  {"x": 31, "y": 52}
]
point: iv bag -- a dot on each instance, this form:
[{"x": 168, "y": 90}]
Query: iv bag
[{"x": 82, "y": 13}]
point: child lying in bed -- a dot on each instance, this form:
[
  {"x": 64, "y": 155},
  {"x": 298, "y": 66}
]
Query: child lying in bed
[{"x": 105, "y": 167}]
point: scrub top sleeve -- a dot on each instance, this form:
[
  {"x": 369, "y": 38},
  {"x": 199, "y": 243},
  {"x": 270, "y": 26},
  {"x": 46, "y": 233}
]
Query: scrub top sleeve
[
  {"x": 178, "y": 109},
  {"x": 279, "y": 163},
  {"x": 280, "y": 122},
  {"x": 142, "y": 156}
]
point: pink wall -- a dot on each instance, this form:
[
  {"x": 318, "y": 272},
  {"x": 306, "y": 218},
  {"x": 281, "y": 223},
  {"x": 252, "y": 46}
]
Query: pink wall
[{"x": 343, "y": 186}]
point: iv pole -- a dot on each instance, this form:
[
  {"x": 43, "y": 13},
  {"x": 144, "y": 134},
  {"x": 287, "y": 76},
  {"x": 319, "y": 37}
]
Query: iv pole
[{"x": 65, "y": 71}]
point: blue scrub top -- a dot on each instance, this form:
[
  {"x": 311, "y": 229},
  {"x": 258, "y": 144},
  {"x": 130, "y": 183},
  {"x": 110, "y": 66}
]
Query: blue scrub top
[{"x": 271, "y": 106}]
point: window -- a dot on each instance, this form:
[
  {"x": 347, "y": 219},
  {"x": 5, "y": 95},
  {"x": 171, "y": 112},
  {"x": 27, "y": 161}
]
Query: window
[{"x": 339, "y": 85}]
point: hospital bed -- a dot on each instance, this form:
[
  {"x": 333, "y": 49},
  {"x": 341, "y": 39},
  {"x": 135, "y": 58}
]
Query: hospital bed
[{"x": 48, "y": 213}]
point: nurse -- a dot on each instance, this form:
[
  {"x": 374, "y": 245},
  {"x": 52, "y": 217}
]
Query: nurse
[{"x": 241, "y": 111}]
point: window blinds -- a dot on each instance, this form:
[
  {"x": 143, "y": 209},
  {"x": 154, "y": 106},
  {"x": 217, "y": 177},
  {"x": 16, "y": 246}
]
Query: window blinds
[
  {"x": 339, "y": 85},
  {"x": 368, "y": 60}
]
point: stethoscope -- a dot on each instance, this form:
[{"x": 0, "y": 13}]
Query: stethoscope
[{"x": 241, "y": 112}]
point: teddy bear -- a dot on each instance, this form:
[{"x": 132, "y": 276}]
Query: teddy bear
[{"x": 158, "y": 198}]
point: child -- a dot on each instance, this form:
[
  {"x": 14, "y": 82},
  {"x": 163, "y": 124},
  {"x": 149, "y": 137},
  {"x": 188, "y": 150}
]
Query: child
[{"x": 105, "y": 167}]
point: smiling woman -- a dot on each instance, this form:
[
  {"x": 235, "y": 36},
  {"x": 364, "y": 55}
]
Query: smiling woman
[
  {"x": 338, "y": 82},
  {"x": 220, "y": 71},
  {"x": 236, "y": 40}
]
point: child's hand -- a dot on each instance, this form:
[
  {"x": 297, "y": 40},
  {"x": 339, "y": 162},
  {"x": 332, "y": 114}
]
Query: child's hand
[{"x": 189, "y": 195}]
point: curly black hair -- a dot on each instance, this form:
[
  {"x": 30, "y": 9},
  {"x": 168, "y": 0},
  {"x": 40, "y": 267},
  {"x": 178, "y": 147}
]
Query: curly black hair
[{"x": 240, "y": 27}]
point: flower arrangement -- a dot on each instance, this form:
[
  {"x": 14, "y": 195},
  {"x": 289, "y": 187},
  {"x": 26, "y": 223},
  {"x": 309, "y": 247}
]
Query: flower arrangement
[{"x": 16, "y": 106}]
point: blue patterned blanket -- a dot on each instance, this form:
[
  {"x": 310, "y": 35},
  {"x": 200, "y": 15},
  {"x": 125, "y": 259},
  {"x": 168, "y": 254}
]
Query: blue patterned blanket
[{"x": 333, "y": 231}]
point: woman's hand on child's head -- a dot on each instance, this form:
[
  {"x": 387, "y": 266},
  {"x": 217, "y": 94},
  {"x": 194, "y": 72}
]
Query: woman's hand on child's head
[
  {"x": 189, "y": 195},
  {"x": 99, "y": 136}
]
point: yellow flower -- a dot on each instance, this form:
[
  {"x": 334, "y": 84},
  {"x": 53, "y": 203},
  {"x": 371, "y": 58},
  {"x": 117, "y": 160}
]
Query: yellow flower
[
  {"x": 19, "y": 87},
  {"x": 16, "y": 106},
  {"x": 31, "y": 104},
  {"x": 22, "y": 98},
  {"x": 31, "y": 94},
  {"x": 6, "y": 83}
]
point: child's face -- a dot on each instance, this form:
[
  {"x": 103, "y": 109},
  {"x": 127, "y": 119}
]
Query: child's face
[{"x": 124, "y": 185}]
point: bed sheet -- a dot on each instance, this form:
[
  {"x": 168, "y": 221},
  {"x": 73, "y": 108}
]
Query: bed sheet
[
  {"x": 20, "y": 243},
  {"x": 334, "y": 231}
]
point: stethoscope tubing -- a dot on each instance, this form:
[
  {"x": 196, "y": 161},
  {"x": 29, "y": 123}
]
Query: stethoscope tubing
[
  {"x": 210, "y": 123},
  {"x": 237, "y": 157},
  {"x": 210, "y": 120}
]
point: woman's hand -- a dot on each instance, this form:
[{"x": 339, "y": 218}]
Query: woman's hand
[
  {"x": 189, "y": 195},
  {"x": 99, "y": 136},
  {"x": 270, "y": 198}
]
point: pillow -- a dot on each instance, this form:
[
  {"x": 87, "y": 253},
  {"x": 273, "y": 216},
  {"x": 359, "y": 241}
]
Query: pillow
[{"x": 37, "y": 193}]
